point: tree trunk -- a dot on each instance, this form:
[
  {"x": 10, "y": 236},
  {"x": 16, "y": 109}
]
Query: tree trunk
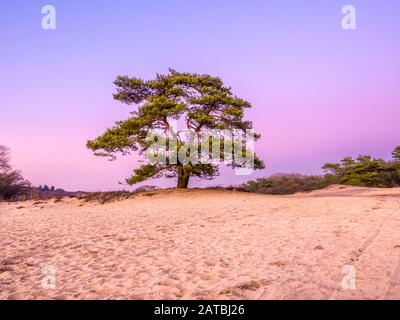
[{"x": 183, "y": 179}]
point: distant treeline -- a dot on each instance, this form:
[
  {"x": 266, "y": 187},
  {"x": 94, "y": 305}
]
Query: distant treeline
[
  {"x": 364, "y": 171},
  {"x": 14, "y": 187}
]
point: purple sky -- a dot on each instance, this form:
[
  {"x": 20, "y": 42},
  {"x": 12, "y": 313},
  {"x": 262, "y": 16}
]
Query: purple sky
[{"x": 319, "y": 93}]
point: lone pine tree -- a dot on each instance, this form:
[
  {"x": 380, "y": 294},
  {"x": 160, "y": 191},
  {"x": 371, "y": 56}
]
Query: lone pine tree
[{"x": 198, "y": 101}]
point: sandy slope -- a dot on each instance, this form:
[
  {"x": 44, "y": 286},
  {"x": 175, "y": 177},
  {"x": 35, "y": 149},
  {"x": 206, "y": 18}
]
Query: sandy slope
[{"x": 204, "y": 244}]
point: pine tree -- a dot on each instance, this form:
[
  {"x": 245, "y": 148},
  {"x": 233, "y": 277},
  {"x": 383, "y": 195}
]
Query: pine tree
[{"x": 200, "y": 101}]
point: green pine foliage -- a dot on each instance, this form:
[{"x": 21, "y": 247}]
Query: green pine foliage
[
  {"x": 200, "y": 101},
  {"x": 365, "y": 171}
]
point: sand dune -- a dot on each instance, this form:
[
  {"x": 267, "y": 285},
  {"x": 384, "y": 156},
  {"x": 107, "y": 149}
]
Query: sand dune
[{"x": 204, "y": 244}]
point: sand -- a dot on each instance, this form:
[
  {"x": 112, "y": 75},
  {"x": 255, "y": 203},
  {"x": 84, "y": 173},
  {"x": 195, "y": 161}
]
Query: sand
[{"x": 338, "y": 243}]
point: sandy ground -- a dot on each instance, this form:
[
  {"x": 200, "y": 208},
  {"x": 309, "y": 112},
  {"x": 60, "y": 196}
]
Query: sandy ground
[{"x": 204, "y": 244}]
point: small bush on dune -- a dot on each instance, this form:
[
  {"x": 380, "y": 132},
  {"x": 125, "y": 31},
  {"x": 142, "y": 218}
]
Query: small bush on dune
[
  {"x": 112, "y": 196},
  {"x": 145, "y": 188}
]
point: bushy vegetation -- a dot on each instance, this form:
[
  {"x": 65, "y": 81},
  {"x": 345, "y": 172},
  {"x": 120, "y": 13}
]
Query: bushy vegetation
[
  {"x": 364, "y": 171},
  {"x": 12, "y": 184},
  {"x": 285, "y": 184}
]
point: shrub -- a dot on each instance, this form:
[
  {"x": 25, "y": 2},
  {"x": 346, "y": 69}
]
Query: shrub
[
  {"x": 280, "y": 184},
  {"x": 105, "y": 197},
  {"x": 145, "y": 188}
]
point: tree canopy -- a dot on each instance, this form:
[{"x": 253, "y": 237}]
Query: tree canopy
[
  {"x": 365, "y": 171},
  {"x": 199, "y": 104},
  {"x": 12, "y": 184}
]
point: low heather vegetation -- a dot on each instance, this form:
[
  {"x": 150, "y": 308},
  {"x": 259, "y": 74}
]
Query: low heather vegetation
[
  {"x": 111, "y": 196},
  {"x": 285, "y": 184}
]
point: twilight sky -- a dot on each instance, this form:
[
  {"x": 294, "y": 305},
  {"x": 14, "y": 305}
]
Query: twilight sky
[{"x": 319, "y": 93}]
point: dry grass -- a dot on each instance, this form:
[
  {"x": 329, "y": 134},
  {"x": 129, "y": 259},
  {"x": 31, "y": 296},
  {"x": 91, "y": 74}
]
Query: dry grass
[
  {"x": 253, "y": 285},
  {"x": 278, "y": 263},
  {"x": 38, "y": 202},
  {"x": 105, "y": 197},
  {"x": 149, "y": 194},
  {"x": 247, "y": 286}
]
